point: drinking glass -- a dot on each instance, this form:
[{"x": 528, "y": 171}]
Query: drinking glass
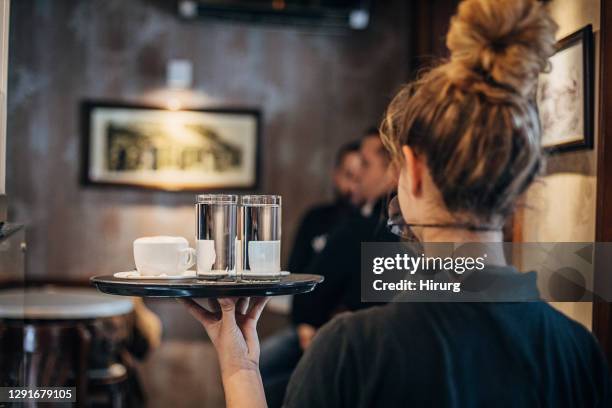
[
  {"x": 216, "y": 235},
  {"x": 259, "y": 235}
]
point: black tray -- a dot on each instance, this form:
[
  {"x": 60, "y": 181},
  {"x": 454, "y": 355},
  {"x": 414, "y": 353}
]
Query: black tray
[{"x": 292, "y": 284}]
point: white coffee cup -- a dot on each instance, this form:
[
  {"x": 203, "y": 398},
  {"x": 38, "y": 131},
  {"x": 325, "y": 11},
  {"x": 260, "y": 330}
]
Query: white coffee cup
[
  {"x": 163, "y": 255},
  {"x": 264, "y": 257}
]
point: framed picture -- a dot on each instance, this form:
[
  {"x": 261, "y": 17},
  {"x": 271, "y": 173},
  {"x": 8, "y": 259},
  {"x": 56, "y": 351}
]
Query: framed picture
[
  {"x": 565, "y": 95},
  {"x": 186, "y": 150}
]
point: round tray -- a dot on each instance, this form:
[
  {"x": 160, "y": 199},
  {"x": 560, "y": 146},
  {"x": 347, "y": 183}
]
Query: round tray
[{"x": 292, "y": 284}]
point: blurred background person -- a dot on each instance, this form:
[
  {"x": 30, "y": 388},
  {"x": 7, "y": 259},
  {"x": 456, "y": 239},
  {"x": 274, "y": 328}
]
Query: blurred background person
[
  {"x": 337, "y": 262},
  {"x": 321, "y": 219},
  {"x": 330, "y": 252},
  {"x": 281, "y": 352}
]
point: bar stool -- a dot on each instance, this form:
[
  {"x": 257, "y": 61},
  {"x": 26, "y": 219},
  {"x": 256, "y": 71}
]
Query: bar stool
[
  {"x": 63, "y": 337},
  {"x": 107, "y": 386},
  {"x": 45, "y": 354}
]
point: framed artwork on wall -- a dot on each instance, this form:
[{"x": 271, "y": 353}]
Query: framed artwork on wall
[
  {"x": 565, "y": 94},
  {"x": 186, "y": 150}
]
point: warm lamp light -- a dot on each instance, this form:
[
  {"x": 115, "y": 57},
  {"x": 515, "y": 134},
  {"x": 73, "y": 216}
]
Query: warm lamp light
[
  {"x": 179, "y": 77},
  {"x": 174, "y": 104}
]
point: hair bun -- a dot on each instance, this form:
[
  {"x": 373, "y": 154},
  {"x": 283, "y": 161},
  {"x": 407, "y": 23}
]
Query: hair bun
[{"x": 506, "y": 41}]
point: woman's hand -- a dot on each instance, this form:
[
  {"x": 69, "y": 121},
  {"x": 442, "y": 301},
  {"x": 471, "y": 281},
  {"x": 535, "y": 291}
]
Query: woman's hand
[
  {"x": 232, "y": 328},
  {"x": 231, "y": 325}
]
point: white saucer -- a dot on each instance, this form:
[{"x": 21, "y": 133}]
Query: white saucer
[
  {"x": 263, "y": 275},
  {"x": 137, "y": 275}
]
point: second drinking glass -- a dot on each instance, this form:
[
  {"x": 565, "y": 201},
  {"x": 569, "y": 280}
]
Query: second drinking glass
[{"x": 259, "y": 235}]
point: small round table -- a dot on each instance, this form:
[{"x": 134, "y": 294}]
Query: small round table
[
  {"x": 60, "y": 304},
  {"x": 58, "y": 336}
]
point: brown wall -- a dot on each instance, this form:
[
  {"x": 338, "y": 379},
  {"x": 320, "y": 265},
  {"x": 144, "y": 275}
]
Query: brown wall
[
  {"x": 430, "y": 20},
  {"x": 316, "y": 89}
]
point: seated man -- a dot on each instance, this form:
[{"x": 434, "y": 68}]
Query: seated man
[
  {"x": 319, "y": 221},
  {"x": 341, "y": 291},
  {"x": 337, "y": 262}
]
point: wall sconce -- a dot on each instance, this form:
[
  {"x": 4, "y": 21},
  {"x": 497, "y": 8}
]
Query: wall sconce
[
  {"x": 179, "y": 77},
  {"x": 359, "y": 19},
  {"x": 188, "y": 8}
]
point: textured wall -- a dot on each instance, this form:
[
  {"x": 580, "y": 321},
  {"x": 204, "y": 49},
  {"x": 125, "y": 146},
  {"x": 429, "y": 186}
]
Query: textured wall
[
  {"x": 316, "y": 89},
  {"x": 561, "y": 207}
]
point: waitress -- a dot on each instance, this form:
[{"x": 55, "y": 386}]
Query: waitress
[{"x": 466, "y": 137}]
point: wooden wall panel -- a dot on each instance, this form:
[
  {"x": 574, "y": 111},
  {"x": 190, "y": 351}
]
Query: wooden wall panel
[{"x": 602, "y": 311}]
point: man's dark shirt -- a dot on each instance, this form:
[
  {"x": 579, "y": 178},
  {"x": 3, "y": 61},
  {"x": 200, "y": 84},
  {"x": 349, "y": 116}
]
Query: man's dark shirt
[
  {"x": 313, "y": 233},
  {"x": 523, "y": 354},
  {"x": 339, "y": 263}
]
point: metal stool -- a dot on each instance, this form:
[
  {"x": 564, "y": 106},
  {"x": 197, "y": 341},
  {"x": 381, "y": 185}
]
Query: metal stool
[
  {"x": 44, "y": 354},
  {"x": 107, "y": 386}
]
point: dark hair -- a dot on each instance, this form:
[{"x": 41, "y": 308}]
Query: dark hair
[
  {"x": 351, "y": 147},
  {"x": 371, "y": 131}
]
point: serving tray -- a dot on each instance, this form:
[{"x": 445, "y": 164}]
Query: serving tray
[{"x": 291, "y": 284}]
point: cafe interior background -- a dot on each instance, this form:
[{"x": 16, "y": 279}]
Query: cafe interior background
[{"x": 316, "y": 87}]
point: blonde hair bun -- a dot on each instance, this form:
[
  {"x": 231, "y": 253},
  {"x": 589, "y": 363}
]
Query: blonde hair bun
[{"x": 505, "y": 42}]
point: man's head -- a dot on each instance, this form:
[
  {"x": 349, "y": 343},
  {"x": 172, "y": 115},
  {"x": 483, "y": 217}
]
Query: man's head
[
  {"x": 347, "y": 172},
  {"x": 377, "y": 174}
]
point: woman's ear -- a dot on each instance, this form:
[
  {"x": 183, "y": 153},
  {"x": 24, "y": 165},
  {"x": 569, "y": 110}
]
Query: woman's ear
[{"x": 413, "y": 168}]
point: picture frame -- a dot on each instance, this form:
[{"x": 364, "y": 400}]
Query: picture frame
[
  {"x": 149, "y": 147},
  {"x": 565, "y": 95}
]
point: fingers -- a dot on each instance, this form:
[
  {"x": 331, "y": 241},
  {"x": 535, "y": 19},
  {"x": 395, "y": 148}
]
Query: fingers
[
  {"x": 257, "y": 306},
  {"x": 228, "y": 309},
  {"x": 249, "y": 327},
  {"x": 202, "y": 315},
  {"x": 250, "y": 308},
  {"x": 210, "y": 305},
  {"x": 242, "y": 306}
]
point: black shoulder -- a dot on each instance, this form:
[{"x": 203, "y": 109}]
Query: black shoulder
[
  {"x": 587, "y": 339},
  {"x": 319, "y": 211},
  {"x": 318, "y": 378},
  {"x": 585, "y": 343},
  {"x": 372, "y": 321},
  {"x": 331, "y": 368},
  {"x": 581, "y": 333}
]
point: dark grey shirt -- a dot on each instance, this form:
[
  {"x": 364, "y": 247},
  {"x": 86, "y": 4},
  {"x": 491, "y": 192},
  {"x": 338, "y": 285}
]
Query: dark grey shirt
[{"x": 452, "y": 355}]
